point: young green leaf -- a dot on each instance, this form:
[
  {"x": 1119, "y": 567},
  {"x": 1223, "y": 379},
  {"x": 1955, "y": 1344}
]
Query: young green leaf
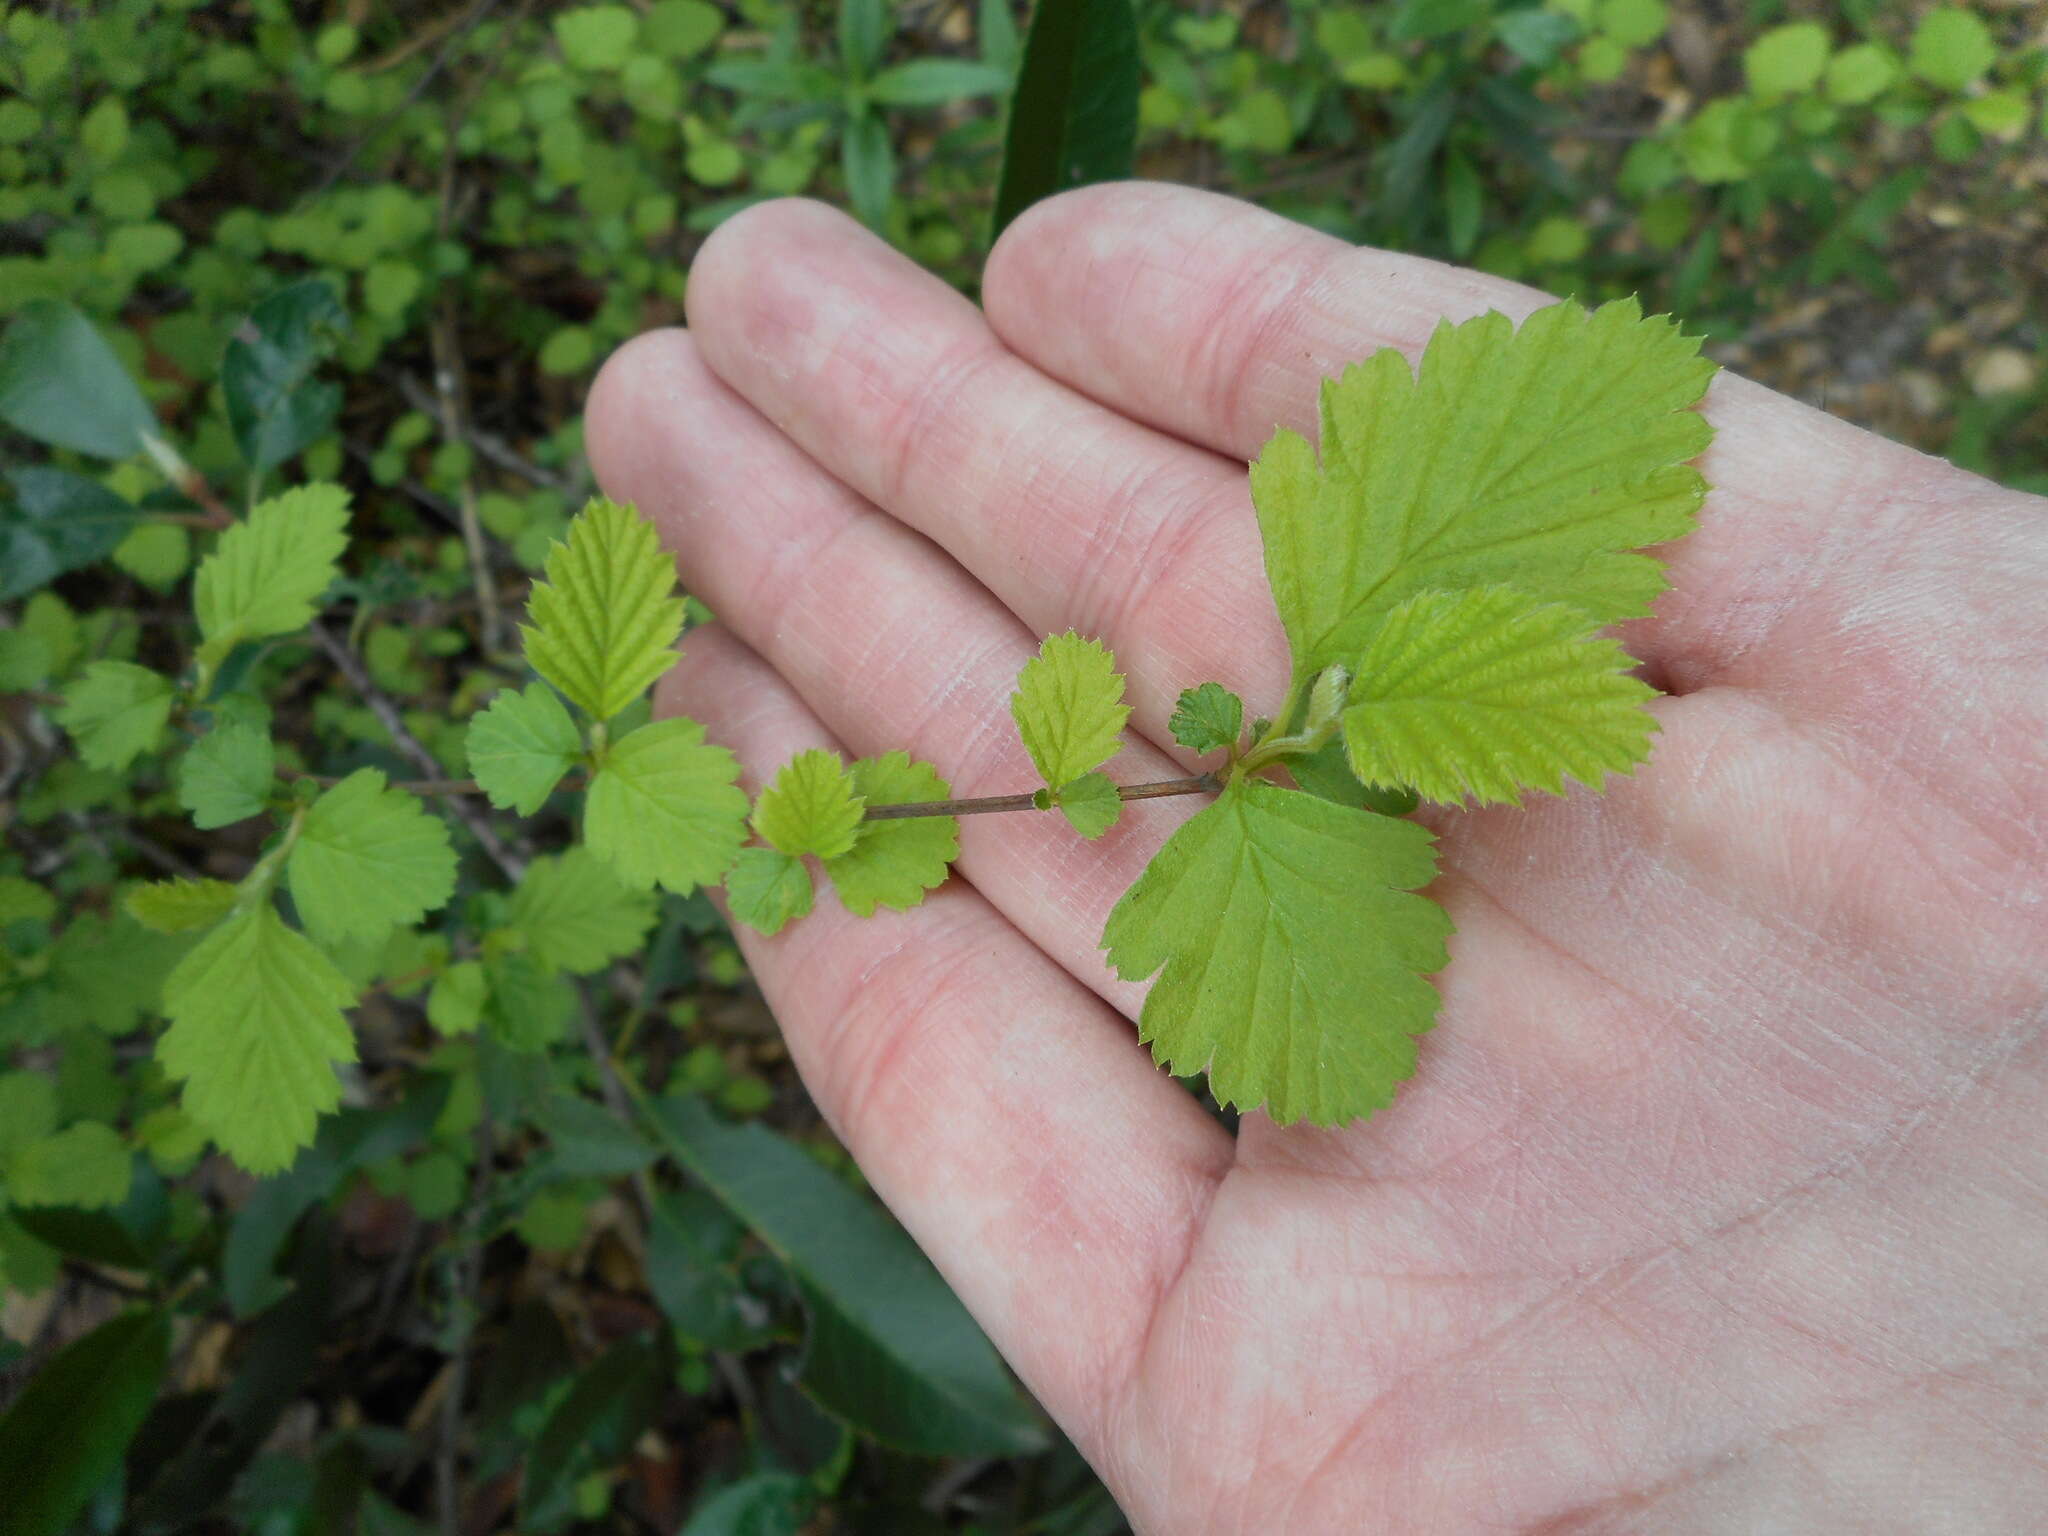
[
  {"x": 456, "y": 1001},
  {"x": 520, "y": 746},
  {"x": 226, "y": 776},
  {"x": 264, "y": 575},
  {"x": 1483, "y": 692},
  {"x": 811, "y": 807},
  {"x": 368, "y": 858},
  {"x": 256, "y": 1031},
  {"x": 1207, "y": 719},
  {"x": 180, "y": 906},
  {"x": 85, "y": 1165},
  {"x": 115, "y": 712},
  {"x": 1290, "y": 952},
  {"x": 1069, "y": 708},
  {"x": 766, "y": 889},
  {"x": 1090, "y": 803},
  {"x": 606, "y": 619},
  {"x": 1541, "y": 457},
  {"x": 575, "y": 914},
  {"x": 893, "y": 863},
  {"x": 664, "y": 808}
]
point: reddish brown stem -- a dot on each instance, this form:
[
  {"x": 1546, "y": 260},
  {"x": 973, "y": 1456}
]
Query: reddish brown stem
[{"x": 1196, "y": 784}]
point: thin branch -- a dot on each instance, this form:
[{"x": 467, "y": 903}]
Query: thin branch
[
  {"x": 1197, "y": 784},
  {"x": 389, "y": 716}
]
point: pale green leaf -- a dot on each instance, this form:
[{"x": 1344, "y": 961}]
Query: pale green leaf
[
  {"x": 1069, "y": 707},
  {"x": 1485, "y": 692},
  {"x": 180, "y": 906},
  {"x": 520, "y": 746},
  {"x": 1289, "y": 949},
  {"x": 811, "y": 807},
  {"x": 368, "y": 858},
  {"x": 575, "y": 914},
  {"x": 116, "y": 711},
  {"x": 664, "y": 808},
  {"x": 893, "y": 863},
  {"x": 1207, "y": 719},
  {"x": 256, "y": 1031},
  {"x": 1541, "y": 457},
  {"x": 1090, "y": 804},
  {"x": 597, "y": 37},
  {"x": 765, "y": 889},
  {"x": 456, "y": 1001},
  {"x": 1952, "y": 47},
  {"x": 23, "y": 899},
  {"x": 263, "y": 577},
  {"x": 226, "y": 775},
  {"x": 606, "y": 619},
  {"x": 86, "y": 1165}
]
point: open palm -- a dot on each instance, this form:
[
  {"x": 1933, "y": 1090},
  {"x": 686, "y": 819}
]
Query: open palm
[{"x": 1720, "y": 1199}]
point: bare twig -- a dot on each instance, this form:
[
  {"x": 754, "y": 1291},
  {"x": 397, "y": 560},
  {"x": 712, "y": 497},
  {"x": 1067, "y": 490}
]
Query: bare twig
[
  {"x": 389, "y": 716},
  {"x": 1197, "y": 784},
  {"x": 488, "y": 445}
]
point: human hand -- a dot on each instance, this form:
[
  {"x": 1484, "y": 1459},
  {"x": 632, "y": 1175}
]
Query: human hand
[{"x": 1717, "y": 1200}]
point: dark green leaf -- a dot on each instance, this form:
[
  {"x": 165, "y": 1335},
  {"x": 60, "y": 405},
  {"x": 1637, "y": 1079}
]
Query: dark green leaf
[
  {"x": 275, "y": 406},
  {"x": 66, "y": 1433},
  {"x": 126, "y": 1236},
  {"x": 868, "y": 161},
  {"x": 766, "y": 1504},
  {"x": 691, "y": 1245},
  {"x": 1409, "y": 156},
  {"x": 56, "y": 522},
  {"x": 1328, "y": 776},
  {"x": 934, "y": 82},
  {"x": 1074, "y": 117},
  {"x": 891, "y": 1348},
  {"x": 863, "y": 35},
  {"x": 592, "y": 1427},
  {"x": 1416, "y": 20},
  {"x": 62, "y": 384},
  {"x": 590, "y": 1141}
]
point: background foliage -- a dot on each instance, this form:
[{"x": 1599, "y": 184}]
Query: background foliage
[{"x": 386, "y": 247}]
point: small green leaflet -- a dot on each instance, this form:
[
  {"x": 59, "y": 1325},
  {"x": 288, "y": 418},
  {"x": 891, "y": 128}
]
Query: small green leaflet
[
  {"x": 264, "y": 576},
  {"x": 811, "y": 807},
  {"x": 1207, "y": 719},
  {"x": 1069, "y": 708},
  {"x": 1541, "y": 457},
  {"x": 256, "y": 1031},
  {"x": 606, "y": 620},
  {"x": 1483, "y": 692},
  {"x": 893, "y": 863},
  {"x": 367, "y": 859},
  {"x": 116, "y": 711},
  {"x": 85, "y": 1165},
  {"x": 766, "y": 889},
  {"x": 226, "y": 776},
  {"x": 663, "y": 809},
  {"x": 1290, "y": 952},
  {"x": 1090, "y": 804},
  {"x": 576, "y": 916},
  {"x": 528, "y": 1007},
  {"x": 180, "y": 906},
  {"x": 456, "y": 1001},
  {"x": 520, "y": 746}
]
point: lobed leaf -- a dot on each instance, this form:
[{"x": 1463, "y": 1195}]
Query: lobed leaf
[
  {"x": 256, "y": 1032},
  {"x": 1069, "y": 708},
  {"x": 1090, "y": 804},
  {"x": 1484, "y": 692},
  {"x": 86, "y": 1165},
  {"x": 766, "y": 889},
  {"x": 576, "y": 916},
  {"x": 266, "y": 573},
  {"x": 180, "y": 906},
  {"x": 665, "y": 810},
  {"x": 116, "y": 711},
  {"x": 1290, "y": 952},
  {"x": 606, "y": 619},
  {"x": 368, "y": 858},
  {"x": 811, "y": 807},
  {"x": 1207, "y": 719},
  {"x": 519, "y": 747},
  {"x": 893, "y": 863},
  {"x": 227, "y": 774},
  {"x": 1542, "y": 457}
]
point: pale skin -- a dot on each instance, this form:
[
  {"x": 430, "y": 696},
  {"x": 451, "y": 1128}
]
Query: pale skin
[{"x": 1719, "y": 1201}]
